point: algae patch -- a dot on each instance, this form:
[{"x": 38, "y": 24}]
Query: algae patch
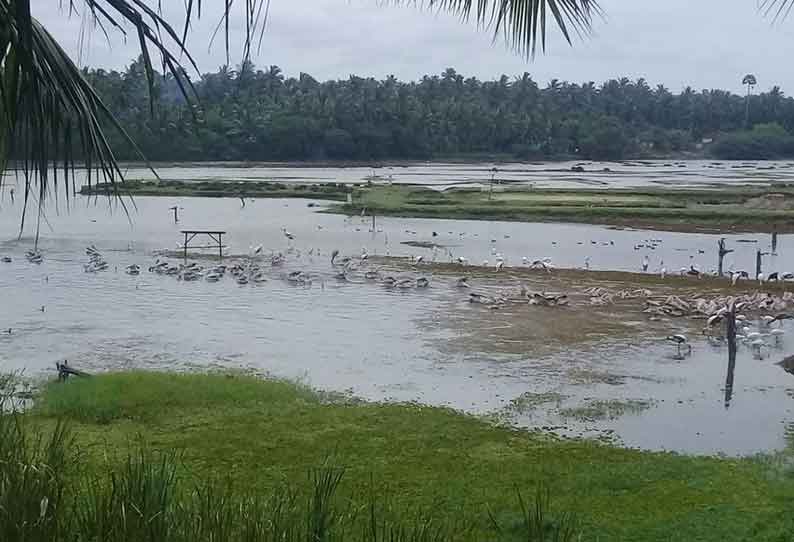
[{"x": 610, "y": 409}]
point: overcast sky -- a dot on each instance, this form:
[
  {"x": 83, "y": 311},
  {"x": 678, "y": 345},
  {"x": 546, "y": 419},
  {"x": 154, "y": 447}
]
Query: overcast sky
[{"x": 702, "y": 43}]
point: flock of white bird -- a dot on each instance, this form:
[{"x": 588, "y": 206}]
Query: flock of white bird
[{"x": 767, "y": 308}]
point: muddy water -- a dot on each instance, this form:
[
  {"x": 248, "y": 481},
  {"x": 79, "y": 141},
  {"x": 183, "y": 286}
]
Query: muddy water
[{"x": 427, "y": 345}]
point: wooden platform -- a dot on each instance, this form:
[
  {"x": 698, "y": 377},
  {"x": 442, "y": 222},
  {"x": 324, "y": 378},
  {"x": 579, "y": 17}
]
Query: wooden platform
[{"x": 215, "y": 235}]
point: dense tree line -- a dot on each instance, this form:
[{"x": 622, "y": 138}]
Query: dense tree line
[{"x": 253, "y": 114}]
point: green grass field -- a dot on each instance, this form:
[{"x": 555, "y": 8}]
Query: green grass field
[
  {"x": 680, "y": 210},
  {"x": 256, "y": 435}
]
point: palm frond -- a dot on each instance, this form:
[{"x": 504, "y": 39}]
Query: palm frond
[
  {"x": 777, "y": 9},
  {"x": 523, "y": 23},
  {"x": 45, "y": 102}
]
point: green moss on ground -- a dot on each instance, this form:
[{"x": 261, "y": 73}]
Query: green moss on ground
[
  {"x": 724, "y": 209},
  {"x": 258, "y": 433}
]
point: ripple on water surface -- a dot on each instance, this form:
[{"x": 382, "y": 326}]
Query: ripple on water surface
[{"x": 605, "y": 367}]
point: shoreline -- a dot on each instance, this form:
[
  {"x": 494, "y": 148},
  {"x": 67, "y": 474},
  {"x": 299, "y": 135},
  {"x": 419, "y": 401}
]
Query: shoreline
[{"x": 222, "y": 189}]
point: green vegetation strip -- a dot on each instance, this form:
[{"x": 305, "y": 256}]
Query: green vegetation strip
[
  {"x": 255, "y": 436},
  {"x": 728, "y": 209},
  {"x": 221, "y": 189}
]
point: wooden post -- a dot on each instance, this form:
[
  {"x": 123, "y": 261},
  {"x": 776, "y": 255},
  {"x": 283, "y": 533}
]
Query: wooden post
[
  {"x": 721, "y": 252},
  {"x": 220, "y": 246},
  {"x": 373, "y": 222},
  {"x": 730, "y": 334},
  {"x": 176, "y": 213},
  {"x": 774, "y": 240},
  {"x": 758, "y": 263},
  {"x": 185, "y": 246}
]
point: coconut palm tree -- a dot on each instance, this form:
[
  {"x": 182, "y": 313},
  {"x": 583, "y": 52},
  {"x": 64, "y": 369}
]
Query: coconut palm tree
[
  {"x": 49, "y": 112},
  {"x": 750, "y": 81}
]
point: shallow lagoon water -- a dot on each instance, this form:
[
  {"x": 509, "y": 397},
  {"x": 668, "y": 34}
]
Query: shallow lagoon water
[
  {"x": 626, "y": 174},
  {"x": 373, "y": 342}
]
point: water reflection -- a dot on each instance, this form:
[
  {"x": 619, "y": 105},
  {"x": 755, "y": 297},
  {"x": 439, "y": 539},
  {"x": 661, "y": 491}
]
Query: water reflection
[
  {"x": 788, "y": 365},
  {"x": 729, "y": 379}
]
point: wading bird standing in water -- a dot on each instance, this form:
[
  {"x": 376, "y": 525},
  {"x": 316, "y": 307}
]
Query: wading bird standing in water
[{"x": 680, "y": 341}]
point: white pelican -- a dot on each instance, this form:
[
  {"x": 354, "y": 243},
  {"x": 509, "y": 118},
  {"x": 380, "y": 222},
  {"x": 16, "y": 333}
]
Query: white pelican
[
  {"x": 499, "y": 265},
  {"x": 405, "y": 283},
  {"x": 714, "y": 320},
  {"x": 544, "y": 264},
  {"x": 474, "y": 297}
]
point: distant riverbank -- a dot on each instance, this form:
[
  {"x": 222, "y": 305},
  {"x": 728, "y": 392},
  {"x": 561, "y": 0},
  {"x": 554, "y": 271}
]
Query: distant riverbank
[{"x": 221, "y": 189}]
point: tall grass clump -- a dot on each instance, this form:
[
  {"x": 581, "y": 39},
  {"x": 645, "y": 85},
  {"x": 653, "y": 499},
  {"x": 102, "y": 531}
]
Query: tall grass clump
[
  {"x": 143, "y": 502},
  {"x": 33, "y": 468},
  {"x": 537, "y": 522}
]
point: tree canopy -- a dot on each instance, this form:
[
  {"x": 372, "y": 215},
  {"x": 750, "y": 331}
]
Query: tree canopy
[{"x": 259, "y": 114}]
